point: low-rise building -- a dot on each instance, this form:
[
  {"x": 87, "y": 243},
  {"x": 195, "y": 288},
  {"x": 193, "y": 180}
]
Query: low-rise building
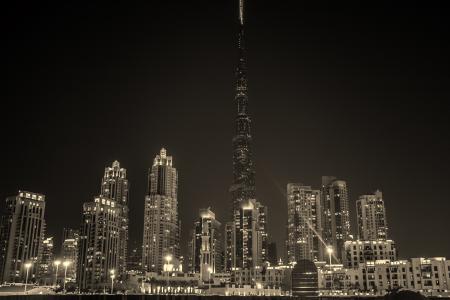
[
  {"x": 358, "y": 252},
  {"x": 430, "y": 276},
  {"x": 266, "y": 276}
]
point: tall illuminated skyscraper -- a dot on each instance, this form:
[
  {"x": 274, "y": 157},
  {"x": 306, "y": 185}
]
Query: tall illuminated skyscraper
[
  {"x": 99, "y": 243},
  {"x": 243, "y": 187},
  {"x": 248, "y": 234},
  {"x": 371, "y": 217},
  {"x": 21, "y": 236},
  {"x": 102, "y": 242},
  {"x": 336, "y": 215},
  {"x": 115, "y": 187},
  {"x": 304, "y": 223},
  {"x": 161, "y": 225}
]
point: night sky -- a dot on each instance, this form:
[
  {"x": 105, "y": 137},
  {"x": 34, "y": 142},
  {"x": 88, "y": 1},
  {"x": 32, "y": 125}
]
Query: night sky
[{"x": 358, "y": 92}]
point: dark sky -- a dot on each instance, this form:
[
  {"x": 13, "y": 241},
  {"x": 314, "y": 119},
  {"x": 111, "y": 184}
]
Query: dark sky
[{"x": 347, "y": 90}]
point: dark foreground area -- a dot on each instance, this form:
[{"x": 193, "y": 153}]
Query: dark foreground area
[{"x": 186, "y": 297}]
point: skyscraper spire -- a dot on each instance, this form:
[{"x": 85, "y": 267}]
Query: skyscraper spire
[
  {"x": 241, "y": 12},
  {"x": 246, "y": 236},
  {"x": 243, "y": 186}
]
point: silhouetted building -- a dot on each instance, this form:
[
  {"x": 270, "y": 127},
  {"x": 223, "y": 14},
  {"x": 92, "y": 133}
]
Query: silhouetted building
[
  {"x": 371, "y": 217},
  {"x": 272, "y": 253},
  {"x": 304, "y": 278},
  {"x": 303, "y": 223},
  {"x": 69, "y": 251},
  {"x": 115, "y": 187},
  {"x": 336, "y": 215},
  {"x": 207, "y": 245},
  {"x": 134, "y": 262},
  {"x": 46, "y": 261},
  {"x": 22, "y": 234},
  {"x": 161, "y": 225}
]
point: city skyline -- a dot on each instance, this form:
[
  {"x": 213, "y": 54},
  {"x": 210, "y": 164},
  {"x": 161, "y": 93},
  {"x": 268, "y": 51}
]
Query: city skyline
[{"x": 292, "y": 147}]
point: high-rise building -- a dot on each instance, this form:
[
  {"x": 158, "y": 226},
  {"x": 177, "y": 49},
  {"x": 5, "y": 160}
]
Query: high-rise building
[
  {"x": 336, "y": 215},
  {"x": 371, "y": 217},
  {"x": 70, "y": 233},
  {"x": 243, "y": 187},
  {"x": 161, "y": 225},
  {"x": 115, "y": 184},
  {"x": 46, "y": 261},
  {"x": 229, "y": 246},
  {"x": 115, "y": 187},
  {"x": 248, "y": 236},
  {"x": 134, "y": 261},
  {"x": 103, "y": 237},
  {"x": 69, "y": 251},
  {"x": 207, "y": 245},
  {"x": 304, "y": 223},
  {"x": 99, "y": 244},
  {"x": 22, "y": 235},
  {"x": 263, "y": 232}
]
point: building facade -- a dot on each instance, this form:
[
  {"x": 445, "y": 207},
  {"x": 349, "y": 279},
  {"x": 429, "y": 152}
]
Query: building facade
[
  {"x": 304, "y": 224},
  {"x": 229, "y": 245},
  {"x": 161, "y": 225},
  {"x": 371, "y": 217},
  {"x": 336, "y": 215},
  {"x": 249, "y": 236},
  {"x": 430, "y": 276},
  {"x": 99, "y": 243},
  {"x": 207, "y": 241},
  {"x": 357, "y": 252},
  {"x": 22, "y": 235},
  {"x": 115, "y": 187},
  {"x": 243, "y": 186},
  {"x": 278, "y": 277},
  {"x": 134, "y": 261}
]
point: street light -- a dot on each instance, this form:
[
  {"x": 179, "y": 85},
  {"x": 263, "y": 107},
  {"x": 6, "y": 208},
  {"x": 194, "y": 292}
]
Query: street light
[
  {"x": 330, "y": 252},
  {"x": 113, "y": 275},
  {"x": 65, "y": 264},
  {"x": 27, "y": 266},
  {"x": 258, "y": 287},
  {"x": 168, "y": 260},
  {"x": 56, "y": 263},
  {"x": 209, "y": 277}
]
